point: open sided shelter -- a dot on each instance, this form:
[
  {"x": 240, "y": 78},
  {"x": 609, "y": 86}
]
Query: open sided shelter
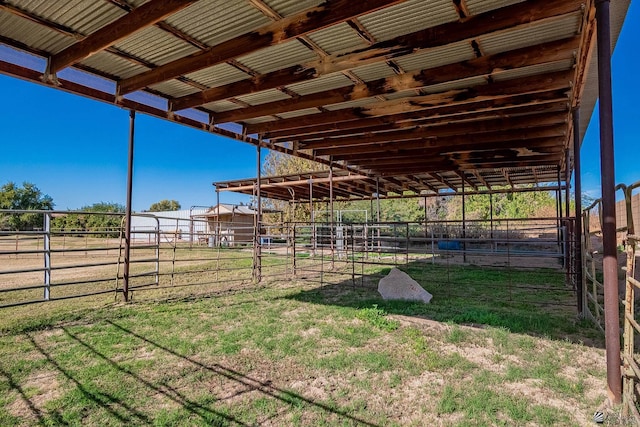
[{"x": 408, "y": 92}]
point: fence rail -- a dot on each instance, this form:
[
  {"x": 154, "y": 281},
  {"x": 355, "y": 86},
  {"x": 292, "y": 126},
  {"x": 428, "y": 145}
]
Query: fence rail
[{"x": 169, "y": 253}]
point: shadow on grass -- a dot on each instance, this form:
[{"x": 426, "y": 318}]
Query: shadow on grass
[
  {"x": 126, "y": 414},
  {"x": 532, "y": 301}
]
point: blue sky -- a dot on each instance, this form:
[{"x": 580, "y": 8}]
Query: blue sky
[{"x": 75, "y": 149}]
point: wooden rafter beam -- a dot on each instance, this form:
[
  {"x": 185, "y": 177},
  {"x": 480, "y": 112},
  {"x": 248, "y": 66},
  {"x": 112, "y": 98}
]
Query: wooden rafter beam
[
  {"x": 507, "y": 177},
  {"x": 479, "y": 177},
  {"x": 463, "y": 176},
  {"x": 402, "y": 120},
  {"x": 423, "y": 183},
  {"x": 475, "y": 156},
  {"x": 442, "y": 181},
  {"x": 427, "y": 111},
  {"x": 409, "y": 156},
  {"x": 485, "y": 66},
  {"x": 493, "y": 125},
  {"x": 139, "y": 18},
  {"x": 495, "y": 20},
  {"x": 448, "y": 166},
  {"x": 312, "y": 19},
  {"x": 450, "y": 142}
]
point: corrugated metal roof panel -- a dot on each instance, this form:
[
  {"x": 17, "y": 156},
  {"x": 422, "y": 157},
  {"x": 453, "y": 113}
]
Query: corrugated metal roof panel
[
  {"x": 532, "y": 70},
  {"x": 136, "y": 3},
  {"x": 298, "y": 113},
  {"x": 431, "y": 58},
  {"x": 260, "y": 119},
  {"x": 291, "y": 7},
  {"x": 156, "y": 46},
  {"x": 371, "y": 72},
  {"x": 457, "y": 84},
  {"x": 221, "y": 106},
  {"x": 218, "y": 75},
  {"x": 337, "y": 39},
  {"x": 215, "y": 21},
  {"x": 113, "y": 65},
  {"x": 277, "y": 57},
  {"x": 351, "y": 104},
  {"x": 530, "y": 34},
  {"x": 82, "y": 16},
  {"x": 407, "y": 17},
  {"x": 321, "y": 84},
  {"x": 32, "y": 34},
  {"x": 401, "y": 94},
  {"x": 174, "y": 88},
  {"x": 263, "y": 97},
  {"x": 476, "y": 7}
]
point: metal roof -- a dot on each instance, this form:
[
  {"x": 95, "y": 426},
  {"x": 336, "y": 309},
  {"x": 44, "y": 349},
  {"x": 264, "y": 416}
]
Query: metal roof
[
  {"x": 349, "y": 186},
  {"x": 410, "y": 92}
]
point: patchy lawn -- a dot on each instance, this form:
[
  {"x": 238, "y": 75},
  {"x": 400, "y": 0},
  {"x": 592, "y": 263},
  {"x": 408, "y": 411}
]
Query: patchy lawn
[{"x": 295, "y": 353}]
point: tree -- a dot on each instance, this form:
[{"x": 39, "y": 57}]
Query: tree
[
  {"x": 275, "y": 164},
  {"x": 109, "y": 224},
  {"x": 165, "y": 205},
  {"x": 27, "y": 197}
]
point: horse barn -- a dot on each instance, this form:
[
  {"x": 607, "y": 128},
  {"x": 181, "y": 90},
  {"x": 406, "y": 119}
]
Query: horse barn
[{"x": 392, "y": 99}]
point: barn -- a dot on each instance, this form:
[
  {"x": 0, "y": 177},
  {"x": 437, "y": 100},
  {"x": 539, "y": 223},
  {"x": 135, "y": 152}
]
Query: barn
[{"x": 228, "y": 225}]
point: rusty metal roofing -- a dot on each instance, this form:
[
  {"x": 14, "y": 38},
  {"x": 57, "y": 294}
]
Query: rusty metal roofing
[
  {"x": 338, "y": 38},
  {"x": 423, "y": 95}
]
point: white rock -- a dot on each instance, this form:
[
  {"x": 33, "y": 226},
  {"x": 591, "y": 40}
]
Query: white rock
[{"x": 398, "y": 285}]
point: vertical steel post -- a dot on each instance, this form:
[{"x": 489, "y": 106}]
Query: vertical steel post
[
  {"x": 378, "y": 212},
  {"x": 491, "y": 215},
  {"x": 127, "y": 230},
  {"x": 217, "y": 230},
  {"x": 558, "y": 207},
  {"x": 565, "y": 224},
  {"x": 46, "y": 231},
  {"x": 331, "y": 223},
  {"x": 378, "y": 199},
  {"x": 258, "y": 243},
  {"x": 607, "y": 171},
  {"x": 311, "y": 218},
  {"x": 464, "y": 225},
  {"x": 567, "y": 183},
  {"x": 578, "y": 208}
]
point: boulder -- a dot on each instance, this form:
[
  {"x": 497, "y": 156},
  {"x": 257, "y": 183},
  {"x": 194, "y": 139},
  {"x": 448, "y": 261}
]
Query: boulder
[{"x": 398, "y": 285}]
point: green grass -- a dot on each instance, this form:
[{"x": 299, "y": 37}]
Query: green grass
[{"x": 292, "y": 353}]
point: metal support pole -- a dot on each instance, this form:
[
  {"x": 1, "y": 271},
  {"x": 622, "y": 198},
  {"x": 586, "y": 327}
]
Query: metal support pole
[
  {"x": 378, "y": 199},
  {"x": 464, "y": 225},
  {"x": 216, "y": 239},
  {"x": 567, "y": 212},
  {"x": 331, "y": 222},
  {"x": 491, "y": 215},
  {"x": 378, "y": 212},
  {"x": 46, "y": 231},
  {"x": 127, "y": 231},
  {"x": 567, "y": 184},
  {"x": 312, "y": 219},
  {"x": 607, "y": 171},
  {"x": 578, "y": 202},
  {"x": 258, "y": 244},
  {"x": 558, "y": 208}
]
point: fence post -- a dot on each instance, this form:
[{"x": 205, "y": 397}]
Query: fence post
[
  {"x": 46, "y": 232},
  {"x": 293, "y": 250}
]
